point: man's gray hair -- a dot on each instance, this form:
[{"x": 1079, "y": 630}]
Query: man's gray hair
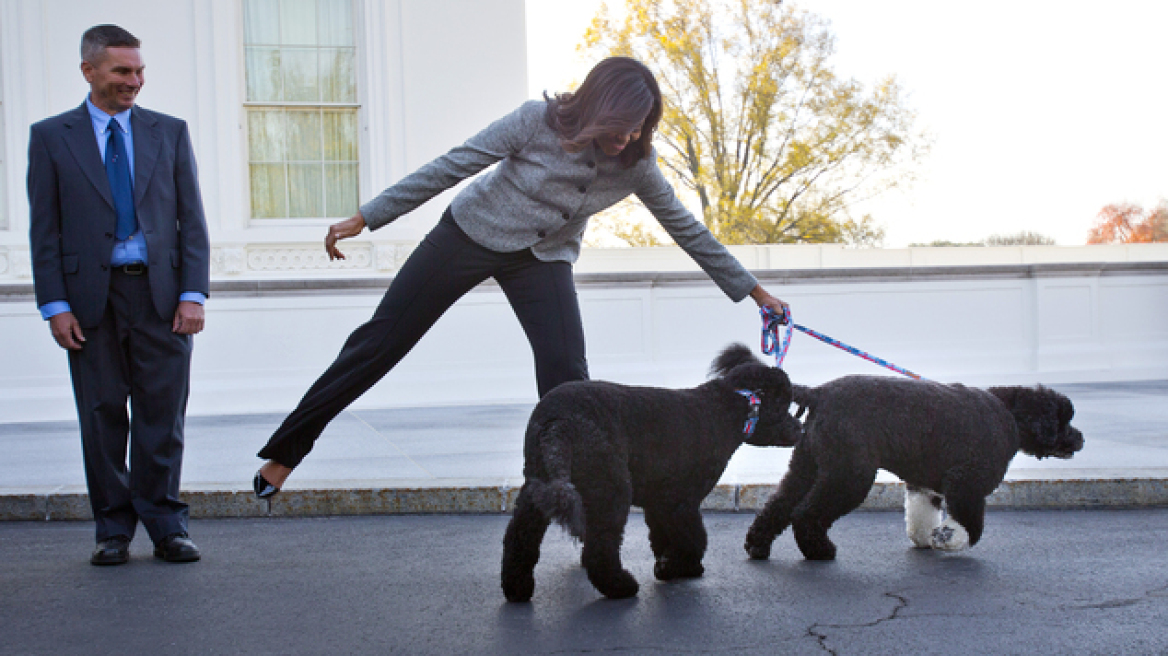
[{"x": 99, "y": 37}]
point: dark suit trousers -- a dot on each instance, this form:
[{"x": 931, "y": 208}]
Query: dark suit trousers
[
  {"x": 133, "y": 353},
  {"x": 444, "y": 267}
]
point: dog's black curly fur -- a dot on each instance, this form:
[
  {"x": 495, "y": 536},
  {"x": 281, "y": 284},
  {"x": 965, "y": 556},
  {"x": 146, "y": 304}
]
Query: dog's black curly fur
[
  {"x": 946, "y": 441},
  {"x": 594, "y": 448}
]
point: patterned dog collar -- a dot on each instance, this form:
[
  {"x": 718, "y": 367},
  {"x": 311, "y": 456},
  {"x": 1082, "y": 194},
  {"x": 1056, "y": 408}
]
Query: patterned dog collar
[{"x": 752, "y": 418}]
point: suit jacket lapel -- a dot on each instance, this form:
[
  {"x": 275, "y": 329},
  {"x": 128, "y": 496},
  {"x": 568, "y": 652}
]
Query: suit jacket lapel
[
  {"x": 82, "y": 142},
  {"x": 147, "y": 144}
]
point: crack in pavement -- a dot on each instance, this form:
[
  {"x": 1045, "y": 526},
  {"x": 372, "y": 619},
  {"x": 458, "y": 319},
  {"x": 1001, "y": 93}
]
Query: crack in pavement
[{"x": 821, "y": 638}]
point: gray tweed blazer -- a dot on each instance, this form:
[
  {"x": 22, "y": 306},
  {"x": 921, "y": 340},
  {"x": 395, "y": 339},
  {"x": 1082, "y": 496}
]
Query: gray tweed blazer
[{"x": 540, "y": 196}]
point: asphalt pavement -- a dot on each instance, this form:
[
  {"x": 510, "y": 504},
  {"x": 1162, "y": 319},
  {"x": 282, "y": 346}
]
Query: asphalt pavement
[
  {"x": 1039, "y": 582},
  {"x": 388, "y": 539}
]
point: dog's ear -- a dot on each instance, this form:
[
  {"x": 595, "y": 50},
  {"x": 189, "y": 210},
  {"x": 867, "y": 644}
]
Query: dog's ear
[
  {"x": 739, "y": 370},
  {"x": 776, "y": 426},
  {"x": 1044, "y": 406}
]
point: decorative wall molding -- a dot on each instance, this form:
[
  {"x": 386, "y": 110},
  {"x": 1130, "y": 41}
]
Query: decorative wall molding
[
  {"x": 304, "y": 258},
  {"x": 241, "y": 260},
  {"x": 390, "y": 257},
  {"x": 228, "y": 260},
  {"x": 244, "y": 260},
  {"x": 18, "y": 264}
]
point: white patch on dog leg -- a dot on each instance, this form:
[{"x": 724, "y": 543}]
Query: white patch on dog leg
[
  {"x": 950, "y": 536},
  {"x": 920, "y": 518}
]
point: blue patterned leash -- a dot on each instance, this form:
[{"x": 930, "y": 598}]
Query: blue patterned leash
[
  {"x": 752, "y": 418},
  {"x": 771, "y": 343},
  {"x": 770, "y": 334}
]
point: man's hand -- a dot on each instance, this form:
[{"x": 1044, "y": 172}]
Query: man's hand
[
  {"x": 350, "y": 227},
  {"x": 67, "y": 331},
  {"x": 188, "y": 319}
]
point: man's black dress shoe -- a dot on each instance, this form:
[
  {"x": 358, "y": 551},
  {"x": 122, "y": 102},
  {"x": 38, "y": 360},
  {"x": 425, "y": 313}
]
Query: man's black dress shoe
[
  {"x": 177, "y": 548},
  {"x": 111, "y": 551}
]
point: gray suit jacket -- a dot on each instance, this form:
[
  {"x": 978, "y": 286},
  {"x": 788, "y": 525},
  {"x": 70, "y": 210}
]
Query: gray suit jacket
[
  {"x": 72, "y": 216},
  {"x": 540, "y": 196}
]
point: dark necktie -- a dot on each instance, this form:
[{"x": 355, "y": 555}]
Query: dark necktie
[{"x": 117, "y": 168}]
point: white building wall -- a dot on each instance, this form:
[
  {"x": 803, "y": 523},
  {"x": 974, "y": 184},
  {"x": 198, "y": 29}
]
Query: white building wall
[
  {"x": 267, "y": 341},
  {"x": 430, "y": 74}
]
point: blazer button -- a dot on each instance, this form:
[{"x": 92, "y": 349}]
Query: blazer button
[
  {"x": 541, "y": 234},
  {"x": 567, "y": 216},
  {"x": 583, "y": 189}
]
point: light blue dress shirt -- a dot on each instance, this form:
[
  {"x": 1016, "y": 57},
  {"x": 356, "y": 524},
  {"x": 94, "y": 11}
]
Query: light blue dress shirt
[{"x": 133, "y": 249}]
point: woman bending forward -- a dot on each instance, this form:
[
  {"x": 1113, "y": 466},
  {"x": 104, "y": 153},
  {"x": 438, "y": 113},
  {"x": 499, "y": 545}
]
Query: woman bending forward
[{"x": 560, "y": 161}]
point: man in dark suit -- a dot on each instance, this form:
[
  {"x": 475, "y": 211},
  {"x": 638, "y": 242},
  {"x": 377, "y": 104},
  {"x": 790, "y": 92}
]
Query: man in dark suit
[{"x": 121, "y": 267}]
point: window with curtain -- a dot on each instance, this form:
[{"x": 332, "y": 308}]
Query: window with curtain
[{"x": 301, "y": 106}]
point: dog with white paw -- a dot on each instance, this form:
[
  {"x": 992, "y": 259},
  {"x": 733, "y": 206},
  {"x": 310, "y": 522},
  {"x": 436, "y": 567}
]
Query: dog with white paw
[
  {"x": 924, "y": 520},
  {"x": 950, "y": 444}
]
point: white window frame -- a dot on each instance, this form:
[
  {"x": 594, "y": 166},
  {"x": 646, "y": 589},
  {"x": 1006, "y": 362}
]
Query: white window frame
[{"x": 357, "y": 13}]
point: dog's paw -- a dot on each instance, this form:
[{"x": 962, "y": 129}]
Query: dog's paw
[
  {"x": 922, "y": 514},
  {"x": 668, "y": 569},
  {"x": 519, "y": 588},
  {"x": 619, "y": 585},
  {"x": 949, "y": 536},
  {"x": 921, "y": 539},
  {"x": 758, "y": 551},
  {"x": 812, "y": 540},
  {"x": 818, "y": 552},
  {"x": 758, "y": 544},
  {"x": 940, "y": 537}
]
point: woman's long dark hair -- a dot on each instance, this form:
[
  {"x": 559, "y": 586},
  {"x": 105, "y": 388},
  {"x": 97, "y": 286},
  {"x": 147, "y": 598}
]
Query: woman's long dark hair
[{"x": 619, "y": 96}]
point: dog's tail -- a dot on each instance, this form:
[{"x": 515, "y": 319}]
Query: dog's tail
[
  {"x": 555, "y": 496},
  {"x": 558, "y": 500}
]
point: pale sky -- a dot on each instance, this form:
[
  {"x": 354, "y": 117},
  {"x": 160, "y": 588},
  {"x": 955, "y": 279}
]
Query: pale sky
[{"x": 1042, "y": 112}]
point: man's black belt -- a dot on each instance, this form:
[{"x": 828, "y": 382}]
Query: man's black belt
[{"x": 132, "y": 269}]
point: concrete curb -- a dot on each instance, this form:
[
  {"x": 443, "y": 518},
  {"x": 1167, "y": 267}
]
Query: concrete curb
[{"x": 1046, "y": 494}]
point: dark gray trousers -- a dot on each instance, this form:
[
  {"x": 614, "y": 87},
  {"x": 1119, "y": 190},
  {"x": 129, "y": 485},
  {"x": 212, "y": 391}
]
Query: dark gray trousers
[
  {"x": 133, "y": 354},
  {"x": 444, "y": 267}
]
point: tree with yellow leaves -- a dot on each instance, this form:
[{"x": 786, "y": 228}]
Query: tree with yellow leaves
[{"x": 773, "y": 144}]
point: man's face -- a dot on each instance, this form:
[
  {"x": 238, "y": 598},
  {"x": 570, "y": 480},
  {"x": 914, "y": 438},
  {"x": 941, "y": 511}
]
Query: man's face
[{"x": 115, "y": 79}]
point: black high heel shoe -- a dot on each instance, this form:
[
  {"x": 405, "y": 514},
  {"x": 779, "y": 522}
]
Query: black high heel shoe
[{"x": 264, "y": 489}]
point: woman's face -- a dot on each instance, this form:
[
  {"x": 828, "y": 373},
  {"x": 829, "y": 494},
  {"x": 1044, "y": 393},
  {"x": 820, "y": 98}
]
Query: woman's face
[{"x": 612, "y": 143}]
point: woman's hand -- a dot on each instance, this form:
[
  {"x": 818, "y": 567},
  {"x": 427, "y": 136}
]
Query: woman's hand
[
  {"x": 350, "y": 227},
  {"x": 764, "y": 299}
]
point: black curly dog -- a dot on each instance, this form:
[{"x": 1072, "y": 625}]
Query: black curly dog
[
  {"x": 945, "y": 442},
  {"x": 594, "y": 448}
]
